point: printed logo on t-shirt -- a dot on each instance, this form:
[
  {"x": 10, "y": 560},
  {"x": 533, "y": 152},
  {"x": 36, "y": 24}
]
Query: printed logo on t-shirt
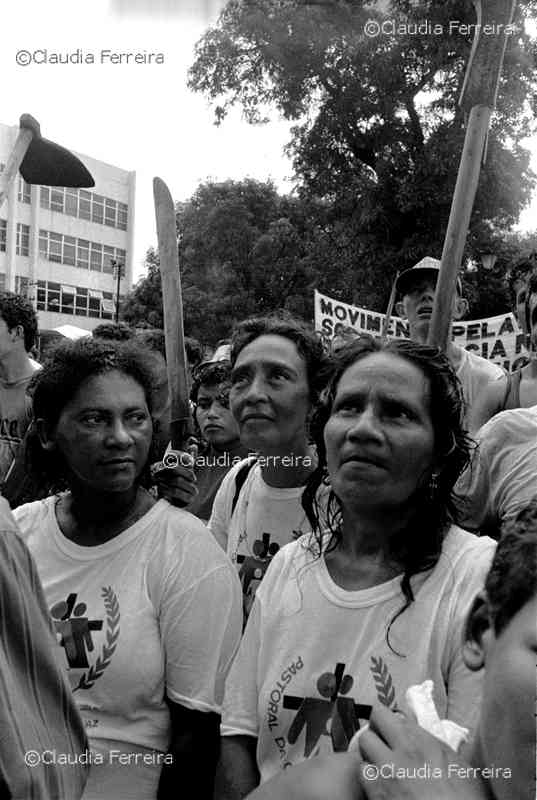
[
  {"x": 9, "y": 431},
  {"x": 314, "y": 713},
  {"x": 253, "y": 567},
  {"x": 75, "y": 634},
  {"x": 331, "y": 713}
]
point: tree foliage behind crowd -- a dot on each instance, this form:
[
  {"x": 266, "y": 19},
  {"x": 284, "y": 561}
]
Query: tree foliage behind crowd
[
  {"x": 246, "y": 250},
  {"x": 376, "y": 143},
  {"x": 378, "y": 133}
]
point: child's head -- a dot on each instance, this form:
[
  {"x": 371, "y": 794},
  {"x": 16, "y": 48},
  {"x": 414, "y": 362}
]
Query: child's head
[{"x": 501, "y": 635}]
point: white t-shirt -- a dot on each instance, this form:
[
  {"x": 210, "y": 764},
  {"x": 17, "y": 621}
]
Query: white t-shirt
[
  {"x": 155, "y": 611},
  {"x": 314, "y": 657},
  {"x": 502, "y": 477},
  {"x": 265, "y": 519},
  {"x": 474, "y": 373}
]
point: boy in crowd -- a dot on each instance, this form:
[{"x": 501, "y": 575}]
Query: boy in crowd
[
  {"x": 417, "y": 287},
  {"x": 18, "y": 329},
  {"x": 218, "y": 428}
]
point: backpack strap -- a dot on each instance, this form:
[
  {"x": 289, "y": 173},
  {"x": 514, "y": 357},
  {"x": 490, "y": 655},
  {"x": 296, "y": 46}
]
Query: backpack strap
[{"x": 240, "y": 480}]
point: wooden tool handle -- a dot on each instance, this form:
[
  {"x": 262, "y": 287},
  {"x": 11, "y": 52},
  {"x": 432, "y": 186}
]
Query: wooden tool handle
[
  {"x": 459, "y": 220},
  {"x": 494, "y": 18},
  {"x": 22, "y": 143},
  {"x": 478, "y": 99}
]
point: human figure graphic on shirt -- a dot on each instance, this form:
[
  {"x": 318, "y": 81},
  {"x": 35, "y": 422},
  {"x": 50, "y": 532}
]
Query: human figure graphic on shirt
[
  {"x": 314, "y": 714},
  {"x": 75, "y": 631},
  {"x": 264, "y": 551}
]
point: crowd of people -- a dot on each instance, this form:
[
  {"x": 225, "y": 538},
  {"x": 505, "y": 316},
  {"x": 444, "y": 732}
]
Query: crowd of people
[{"x": 351, "y": 523}]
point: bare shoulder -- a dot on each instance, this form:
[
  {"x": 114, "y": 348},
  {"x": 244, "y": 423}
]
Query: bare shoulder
[{"x": 489, "y": 403}]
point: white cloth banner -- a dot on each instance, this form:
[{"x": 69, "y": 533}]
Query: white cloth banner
[
  {"x": 497, "y": 338},
  {"x": 107, "y": 306}
]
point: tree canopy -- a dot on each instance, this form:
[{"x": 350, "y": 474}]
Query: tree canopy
[
  {"x": 378, "y": 133},
  {"x": 244, "y": 250}
]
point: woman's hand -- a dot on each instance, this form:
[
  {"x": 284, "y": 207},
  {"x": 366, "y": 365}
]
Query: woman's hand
[
  {"x": 401, "y": 761},
  {"x": 174, "y": 476}
]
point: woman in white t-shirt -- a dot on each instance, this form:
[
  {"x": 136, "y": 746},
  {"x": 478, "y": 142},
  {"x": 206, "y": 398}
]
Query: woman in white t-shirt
[
  {"x": 375, "y": 599},
  {"x": 146, "y": 607},
  {"x": 278, "y": 369}
]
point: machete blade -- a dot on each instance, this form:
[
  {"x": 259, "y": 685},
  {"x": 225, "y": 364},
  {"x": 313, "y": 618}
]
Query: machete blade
[{"x": 172, "y": 302}]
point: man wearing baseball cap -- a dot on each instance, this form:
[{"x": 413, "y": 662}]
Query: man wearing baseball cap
[{"x": 416, "y": 287}]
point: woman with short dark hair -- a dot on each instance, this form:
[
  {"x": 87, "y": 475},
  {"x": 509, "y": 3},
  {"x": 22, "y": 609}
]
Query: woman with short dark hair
[
  {"x": 278, "y": 369},
  {"x": 145, "y": 605}
]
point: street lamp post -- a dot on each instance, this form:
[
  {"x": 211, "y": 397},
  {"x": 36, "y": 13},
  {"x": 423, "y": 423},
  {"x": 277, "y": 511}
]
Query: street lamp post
[{"x": 119, "y": 271}]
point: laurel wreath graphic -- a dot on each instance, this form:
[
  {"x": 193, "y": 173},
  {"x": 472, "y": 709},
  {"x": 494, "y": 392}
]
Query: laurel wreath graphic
[
  {"x": 383, "y": 682},
  {"x": 111, "y": 605}
]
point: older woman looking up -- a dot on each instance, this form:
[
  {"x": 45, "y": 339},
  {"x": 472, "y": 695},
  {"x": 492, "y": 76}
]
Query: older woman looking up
[
  {"x": 374, "y": 600},
  {"x": 277, "y": 373},
  {"x": 145, "y": 605}
]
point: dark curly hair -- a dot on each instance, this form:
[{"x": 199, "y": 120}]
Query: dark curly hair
[
  {"x": 512, "y": 579},
  {"x": 154, "y": 339},
  {"x": 307, "y": 342},
  {"x": 113, "y": 331},
  {"x": 17, "y": 310},
  {"x": 417, "y": 548},
  {"x": 209, "y": 374},
  {"x": 70, "y": 364},
  {"x": 193, "y": 351}
]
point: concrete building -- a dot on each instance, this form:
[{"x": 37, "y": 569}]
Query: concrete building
[{"x": 58, "y": 245}]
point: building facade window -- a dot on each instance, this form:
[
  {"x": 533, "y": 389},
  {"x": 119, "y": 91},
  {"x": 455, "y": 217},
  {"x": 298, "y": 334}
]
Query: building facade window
[
  {"x": 85, "y": 205},
  {"x": 23, "y": 240},
  {"x": 77, "y": 300},
  {"x": 80, "y": 253},
  {"x": 24, "y": 191},
  {"x": 3, "y": 235}
]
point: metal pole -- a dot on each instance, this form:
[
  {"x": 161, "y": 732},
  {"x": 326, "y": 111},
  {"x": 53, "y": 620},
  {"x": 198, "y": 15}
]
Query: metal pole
[{"x": 118, "y": 267}]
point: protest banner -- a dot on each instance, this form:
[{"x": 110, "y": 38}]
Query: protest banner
[{"x": 497, "y": 338}]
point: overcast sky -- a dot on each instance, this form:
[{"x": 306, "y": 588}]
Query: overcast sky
[{"x": 137, "y": 116}]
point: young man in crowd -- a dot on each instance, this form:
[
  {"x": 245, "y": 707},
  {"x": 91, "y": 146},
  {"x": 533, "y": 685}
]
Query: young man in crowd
[
  {"x": 18, "y": 329},
  {"x": 417, "y": 287},
  {"x": 399, "y": 760},
  {"x": 501, "y": 478},
  {"x": 517, "y": 389},
  {"x": 218, "y": 428}
]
